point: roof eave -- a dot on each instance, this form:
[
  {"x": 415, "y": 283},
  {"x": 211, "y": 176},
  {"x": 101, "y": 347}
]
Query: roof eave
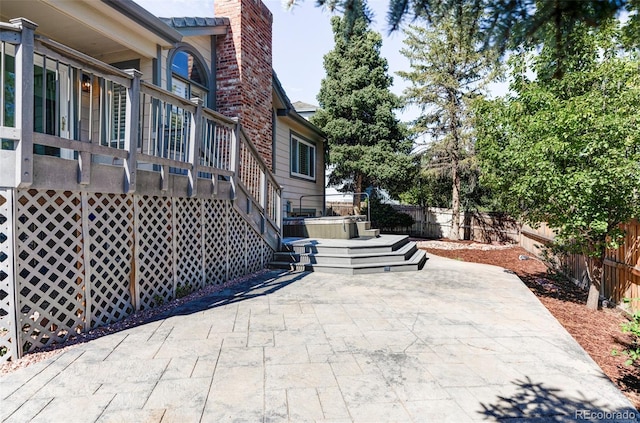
[
  {"x": 146, "y": 19},
  {"x": 289, "y": 111},
  {"x": 302, "y": 121}
]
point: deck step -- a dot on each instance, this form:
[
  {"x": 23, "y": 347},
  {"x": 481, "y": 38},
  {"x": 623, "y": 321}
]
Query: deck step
[
  {"x": 387, "y": 253},
  {"x": 381, "y": 244},
  {"x": 361, "y": 257}
]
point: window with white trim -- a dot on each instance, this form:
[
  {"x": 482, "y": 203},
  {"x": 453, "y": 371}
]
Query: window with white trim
[{"x": 303, "y": 158}]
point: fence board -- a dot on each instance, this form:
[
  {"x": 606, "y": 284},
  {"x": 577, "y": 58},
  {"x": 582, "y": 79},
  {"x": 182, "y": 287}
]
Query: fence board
[
  {"x": 433, "y": 222},
  {"x": 621, "y": 266}
]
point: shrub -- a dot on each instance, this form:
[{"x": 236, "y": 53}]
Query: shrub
[
  {"x": 385, "y": 217},
  {"x": 183, "y": 290},
  {"x": 632, "y": 327}
]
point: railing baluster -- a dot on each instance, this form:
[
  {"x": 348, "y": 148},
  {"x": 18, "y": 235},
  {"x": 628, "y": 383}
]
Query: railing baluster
[
  {"x": 193, "y": 149},
  {"x": 131, "y": 130}
]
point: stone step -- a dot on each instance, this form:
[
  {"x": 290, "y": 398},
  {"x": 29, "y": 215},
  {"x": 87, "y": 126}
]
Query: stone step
[{"x": 362, "y": 257}]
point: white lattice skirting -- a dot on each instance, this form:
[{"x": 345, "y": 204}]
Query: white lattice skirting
[{"x": 72, "y": 261}]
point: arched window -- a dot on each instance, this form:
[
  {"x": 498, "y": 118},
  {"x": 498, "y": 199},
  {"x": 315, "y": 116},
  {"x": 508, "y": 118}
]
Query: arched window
[{"x": 189, "y": 76}]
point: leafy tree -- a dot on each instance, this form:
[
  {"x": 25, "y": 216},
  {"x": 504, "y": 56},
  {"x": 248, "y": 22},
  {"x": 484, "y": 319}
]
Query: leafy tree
[
  {"x": 433, "y": 188},
  {"x": 567, "y": 151},
  {"x": 448, "y": 70},
  {"x": 367, "y": 143},
  {"x": 430, "y": 190}
]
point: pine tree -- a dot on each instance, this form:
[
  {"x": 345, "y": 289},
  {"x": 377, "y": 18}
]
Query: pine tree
[
  {"x": 448, "y": 70},
  {"x": 508, "y": 23},
  {"x": 367, "y": 143}
]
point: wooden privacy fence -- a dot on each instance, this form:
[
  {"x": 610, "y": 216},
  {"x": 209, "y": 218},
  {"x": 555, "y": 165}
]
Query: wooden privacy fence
[
  {"x": 433, "y": 222},
  {"x": 621, "y": 266}
]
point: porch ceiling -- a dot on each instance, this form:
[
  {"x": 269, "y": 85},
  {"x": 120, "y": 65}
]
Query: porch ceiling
[{"x": 92, "y": 27}]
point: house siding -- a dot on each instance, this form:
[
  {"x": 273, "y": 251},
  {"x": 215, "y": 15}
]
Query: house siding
[
  {"x": 202, "y": 43},
  {"x": 294, "y": 188}
]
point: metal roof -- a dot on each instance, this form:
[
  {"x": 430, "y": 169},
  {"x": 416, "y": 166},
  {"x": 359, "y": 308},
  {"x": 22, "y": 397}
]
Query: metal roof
[
  {"x": 189, "y": 26},
  {"x": 195, "y": 22}
]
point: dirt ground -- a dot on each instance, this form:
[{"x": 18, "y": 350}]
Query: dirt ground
[{"x": 597, "y": 331}]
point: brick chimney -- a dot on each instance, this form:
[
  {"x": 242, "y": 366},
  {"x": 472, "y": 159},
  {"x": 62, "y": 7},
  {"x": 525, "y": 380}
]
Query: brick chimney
[{"x": 244, "y": 70}]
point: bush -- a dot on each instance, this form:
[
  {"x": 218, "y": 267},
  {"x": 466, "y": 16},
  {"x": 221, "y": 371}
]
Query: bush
[
  {"x": 632, "y": 327},
  {"x": 385, "y": 217},
  {"x": 183, "y": 290}
]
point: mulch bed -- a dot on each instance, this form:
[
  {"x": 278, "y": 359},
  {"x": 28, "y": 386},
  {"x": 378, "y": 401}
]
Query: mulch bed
[{"x": 598, "y": 332}]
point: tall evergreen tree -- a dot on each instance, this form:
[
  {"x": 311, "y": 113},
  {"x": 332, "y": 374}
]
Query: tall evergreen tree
[
  {"x": 368, "y": 145},
  {"x": 448, "y": 69}
]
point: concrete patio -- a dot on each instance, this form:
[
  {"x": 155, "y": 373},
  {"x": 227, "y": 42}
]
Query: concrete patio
[{"x": 454, "y": 342}]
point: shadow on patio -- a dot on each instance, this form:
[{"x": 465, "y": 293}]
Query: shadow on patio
[{"x": 535, "y": 400}]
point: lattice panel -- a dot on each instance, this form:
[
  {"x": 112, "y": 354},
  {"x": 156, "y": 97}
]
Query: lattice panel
[
  {"x": 216, "y": 213},
  {"x": 188, "y": 232},
  {"x": 50, "y": 266},
  {"x": 154, "y": 250},
  {"x": 253, "y": 250},
  {"x": 110, "y": 225},
  {"x": 237, "y": 232},
  {"x": 8, "y": 344},
  {"x": 267, "y": 253}
]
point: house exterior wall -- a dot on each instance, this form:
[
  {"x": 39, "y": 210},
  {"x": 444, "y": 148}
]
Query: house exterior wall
[
  {"x": 294, "y": 187},
  {"x": 244, "y": 70},
  {"x": 203, "y": 44}
]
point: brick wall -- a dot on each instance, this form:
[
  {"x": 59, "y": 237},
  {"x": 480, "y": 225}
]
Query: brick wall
[{"x": 244, "y": 69}]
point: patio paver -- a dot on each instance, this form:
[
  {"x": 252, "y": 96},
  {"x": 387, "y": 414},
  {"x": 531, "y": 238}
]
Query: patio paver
[{"x": 453, "y": 342}]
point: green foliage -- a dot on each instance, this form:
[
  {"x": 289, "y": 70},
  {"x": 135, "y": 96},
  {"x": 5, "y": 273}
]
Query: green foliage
[
  {"x": 183, "y": 290},
  {"x": 158, "y": 300},
  {"x": 448, "y": 70},
  {"x": 3, "y": 350},
  {"x": 433, "y": 189},
  {"x": 505, "y": 24},
  {"x": 632, "y": 327},
  {"x": 367, "y": 143},
  {"x": 429, "y": 191},
  {"x": 567, "y": 151},
  {"x": 385, "y": 217}
]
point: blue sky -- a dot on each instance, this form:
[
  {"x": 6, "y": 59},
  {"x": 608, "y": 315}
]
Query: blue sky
[{"x": 301, "y": 37}]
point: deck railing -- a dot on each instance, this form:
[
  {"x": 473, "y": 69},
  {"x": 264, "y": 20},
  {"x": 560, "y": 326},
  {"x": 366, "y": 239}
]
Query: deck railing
[
  {"x": 114, "y": 194},
  {"x": 60, "y": 102}
]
